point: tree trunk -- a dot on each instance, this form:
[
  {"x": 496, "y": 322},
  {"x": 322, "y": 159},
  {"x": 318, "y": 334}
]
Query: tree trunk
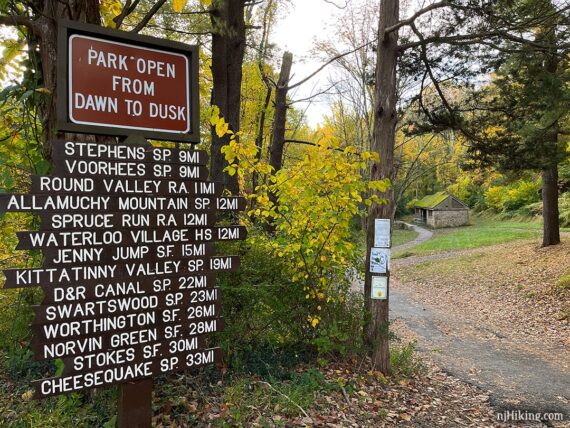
[
  {"x": 260, "y": 133},
  {"x": 44, "y": 32},
  {"x": 550, "y": 213},
  {"x": 228, "y": 49},
  {"x": 385, "y": 119},
  {"x": 280, "y": 114},
  {"x": 279, "y": 123}
]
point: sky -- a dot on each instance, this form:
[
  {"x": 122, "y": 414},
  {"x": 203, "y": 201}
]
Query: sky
[{"x": 302, "y": 23}]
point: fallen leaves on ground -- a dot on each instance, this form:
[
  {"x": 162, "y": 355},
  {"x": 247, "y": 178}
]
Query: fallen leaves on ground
[
  {"x": 507, "y": 292},
  {"x": 352, "y": 396}
]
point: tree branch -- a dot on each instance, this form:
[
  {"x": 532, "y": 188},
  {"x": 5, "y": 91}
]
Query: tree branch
[
  {"x": 308, "y": 143},
  {"x": 411, "y": 19},
  {"x": 329, "y": 62},
  {"x": 153, "y": 10},
  {"x": 174, "y": 30},
  {"x": 127, "y": 10},
  {"x": 476, "y": 38},
  {"x": 17, "y": 20}
]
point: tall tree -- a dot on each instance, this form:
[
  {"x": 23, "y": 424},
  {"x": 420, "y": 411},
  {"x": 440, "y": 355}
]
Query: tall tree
[
  {"x": 228, "y": 50},
  {"x": 385, "y": 119},
  {"x": 521, "y": 114},
  {"x": 448, "y": 51}
]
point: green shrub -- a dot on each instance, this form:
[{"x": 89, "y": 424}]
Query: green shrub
[
  {"x": 247, "y": 399},
  {"x": 404, "y": 361},
  {"x": 340, "y": 331},
  {"x": 563, "y": 282},
  {"x": 514, "y": 198}
]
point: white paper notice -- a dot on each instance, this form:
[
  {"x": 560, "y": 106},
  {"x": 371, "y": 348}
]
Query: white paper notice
[
  {"x": 379, "y": 287},
  {"x": 382, "y": 233},
  {"x": 379, "y": 260}
]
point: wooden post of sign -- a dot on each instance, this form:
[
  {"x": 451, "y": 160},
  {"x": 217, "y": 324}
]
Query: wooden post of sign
[
  {"x": 135, "y": 404},
  {"x": 135, "y": 398}
]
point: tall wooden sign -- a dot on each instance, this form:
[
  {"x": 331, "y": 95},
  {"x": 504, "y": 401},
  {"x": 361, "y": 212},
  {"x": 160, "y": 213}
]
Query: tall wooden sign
[{"x": 127, "y": 230}]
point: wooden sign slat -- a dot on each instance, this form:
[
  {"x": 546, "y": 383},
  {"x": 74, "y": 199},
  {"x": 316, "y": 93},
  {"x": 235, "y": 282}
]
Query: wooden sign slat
[
  {"x": 132, "y": 354},
  {"x": 91, "y": 239},
  {"x": 137, "y": 204},
  {"x": 50, "y": 185},
  {"x": 128, "y": 169},
  {"x": 23, "y": 278},
  {"x": 147, "y": 253},
  {"x": 124, "y": 221},
  {"x": 139, "y": 152},
  {"x": 72, "y": 311},
  {"x": 144, "y": 370}
]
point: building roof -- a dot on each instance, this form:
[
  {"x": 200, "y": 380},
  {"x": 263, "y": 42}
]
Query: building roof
[{"x": 432, "y": 201}]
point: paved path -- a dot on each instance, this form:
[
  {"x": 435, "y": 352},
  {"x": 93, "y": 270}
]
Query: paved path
[
  {"x": 513, "y": 378},
  {"x": 423, "y": 235}
]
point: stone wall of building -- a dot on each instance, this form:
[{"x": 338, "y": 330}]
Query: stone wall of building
[{"x": 448, "y": 218}]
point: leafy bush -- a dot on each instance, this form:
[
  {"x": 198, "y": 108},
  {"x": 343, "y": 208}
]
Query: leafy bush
[
  {"x": 404, "y": 360},
  {"x": 513, "y": 198},
  {"x": 308, "y": 208}
]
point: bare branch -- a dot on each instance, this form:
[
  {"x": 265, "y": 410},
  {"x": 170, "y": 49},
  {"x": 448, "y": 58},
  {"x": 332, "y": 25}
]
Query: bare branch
[
  {"x": 153, "y": 10},
  {"x": 336, "y": 5},
  {"x": 411, "y": 19},
  {"x": 475, "y": 38},
  {"x": 17, "y": 20},
  {"x": 323, "y": 92},
  {"x": 127, "y": 10},
  {"x": 308, "y": 143},
  {"x": 174, "y": 30},
  {"x": 329, "y": 62}
]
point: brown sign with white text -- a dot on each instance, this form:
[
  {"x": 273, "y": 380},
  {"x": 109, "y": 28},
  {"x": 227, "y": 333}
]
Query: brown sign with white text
[{"x": 115, "y": 84}]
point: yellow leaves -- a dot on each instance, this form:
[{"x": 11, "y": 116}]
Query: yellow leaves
[
  {"x": 110, "y": 9},
  {"x": 494, "y": 131},
  {"x": 214, "y": 113},
  {"x": 206, "y": 3},
  {"x": 28, "y": 395},
  {"x": 318, "y": 196},
  {"x": 178, "y": 5},
  {"x": 313, "y": 320},
  {"x": 379, "y": 185},
  {"x": 222, "y": 127},
  {"x": 371, "y": 156}
]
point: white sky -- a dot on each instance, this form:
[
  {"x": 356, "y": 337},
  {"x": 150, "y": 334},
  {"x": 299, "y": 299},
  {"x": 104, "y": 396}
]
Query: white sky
[{"x": 305, "y": 21}]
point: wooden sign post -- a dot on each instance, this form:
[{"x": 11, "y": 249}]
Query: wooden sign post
[{"x": 127, "y": 229}]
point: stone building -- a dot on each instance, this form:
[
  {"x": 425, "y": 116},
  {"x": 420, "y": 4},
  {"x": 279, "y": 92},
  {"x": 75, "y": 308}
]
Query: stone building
[{"x": 441, "y": 210}]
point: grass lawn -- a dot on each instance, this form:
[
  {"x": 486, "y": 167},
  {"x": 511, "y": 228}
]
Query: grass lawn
[
  {"x": 401, "y": 236},
  {"x": 482, "y": 232}
]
